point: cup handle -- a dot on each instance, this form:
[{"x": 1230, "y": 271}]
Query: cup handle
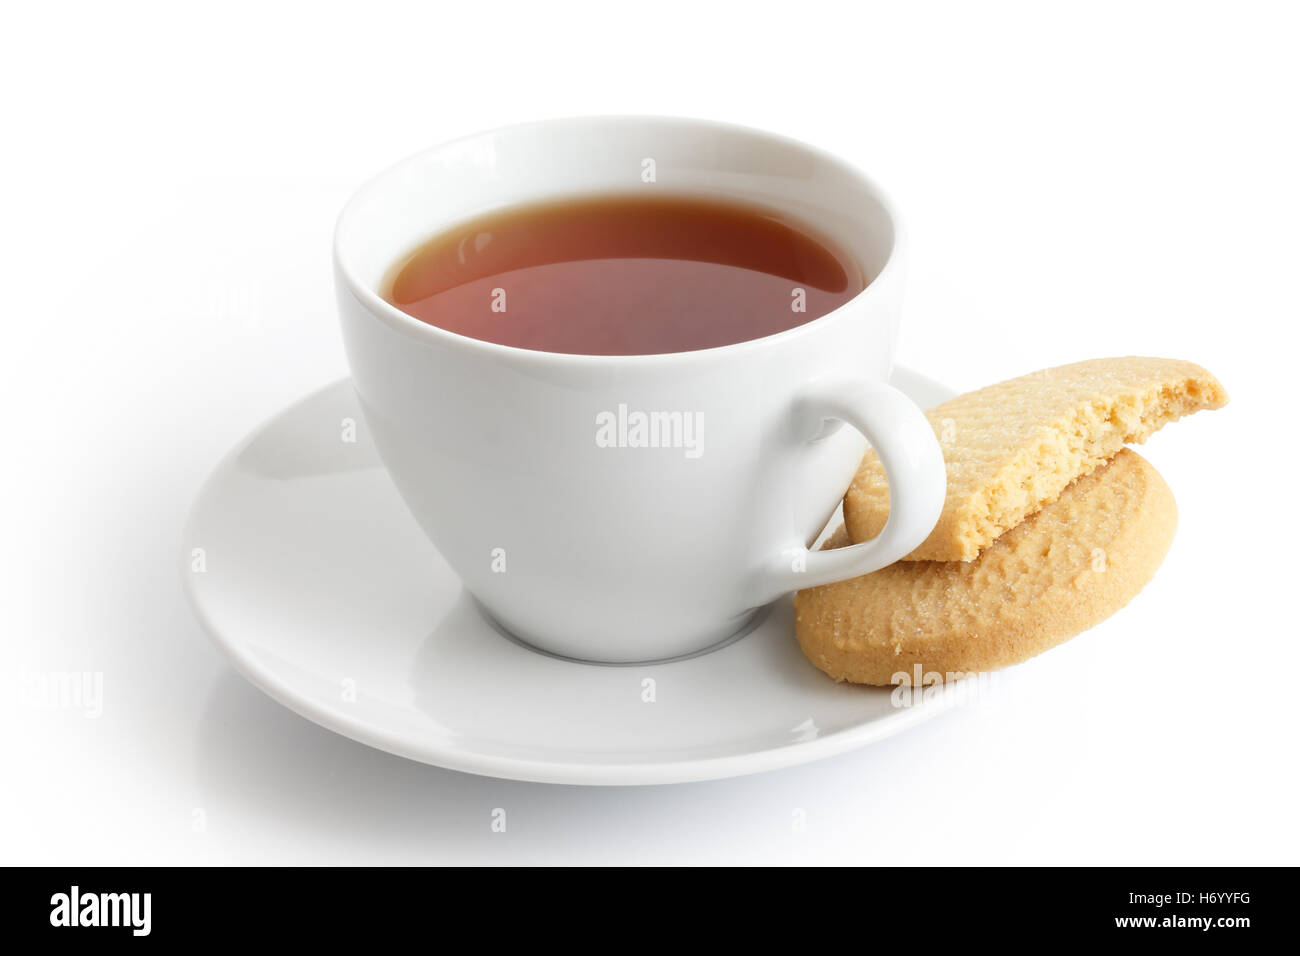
[{"x": 913, "y": 462}]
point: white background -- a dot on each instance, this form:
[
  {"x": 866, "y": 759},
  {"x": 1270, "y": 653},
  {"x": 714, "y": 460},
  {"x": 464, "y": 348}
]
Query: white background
[{"x": 1090, "y": 180}]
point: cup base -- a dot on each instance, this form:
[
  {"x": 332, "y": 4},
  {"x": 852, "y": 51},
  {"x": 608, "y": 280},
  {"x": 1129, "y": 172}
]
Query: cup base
[{"x": 755, "y": 618}]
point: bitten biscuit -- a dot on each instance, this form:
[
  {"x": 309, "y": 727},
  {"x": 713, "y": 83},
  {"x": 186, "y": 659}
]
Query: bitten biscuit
[
  {"x": 1013, "y": 447},
  {"x": 1058, "y": 573}
]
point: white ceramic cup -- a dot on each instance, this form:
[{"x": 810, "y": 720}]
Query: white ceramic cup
[{"x": 521, "y": 466}]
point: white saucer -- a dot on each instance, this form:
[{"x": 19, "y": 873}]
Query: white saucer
[{"x": 319, "y": 585}]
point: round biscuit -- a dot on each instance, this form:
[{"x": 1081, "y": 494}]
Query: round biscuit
[{"x": 1056, "y": 574}]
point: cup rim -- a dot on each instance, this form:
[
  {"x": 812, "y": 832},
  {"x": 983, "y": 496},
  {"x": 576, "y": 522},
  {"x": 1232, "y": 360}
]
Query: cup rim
[{"x": 424, "y": 332}]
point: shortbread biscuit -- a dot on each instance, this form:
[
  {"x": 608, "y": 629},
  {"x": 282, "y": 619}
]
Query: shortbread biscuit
[
  {"x": 1056, "y": 574},
  {"x": 1013, "y": 447}
]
